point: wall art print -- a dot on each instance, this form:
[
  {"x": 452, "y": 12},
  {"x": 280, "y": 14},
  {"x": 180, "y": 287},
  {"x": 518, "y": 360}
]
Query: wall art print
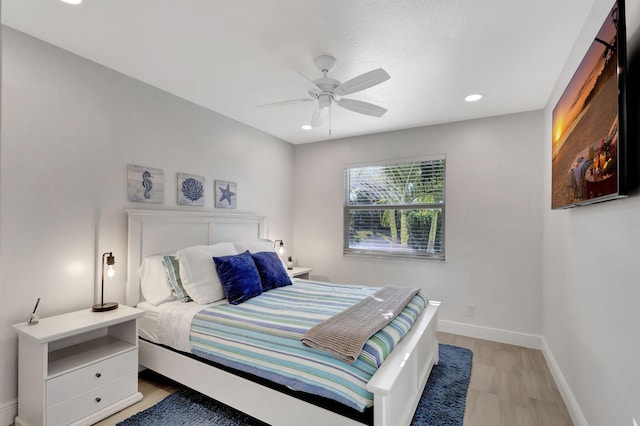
[
  {"x": 226, "y": 194},
  {"x": 190, "y": 190},
  {"x": 145, "y": 184},
  {"x": 590, "y": 149}
]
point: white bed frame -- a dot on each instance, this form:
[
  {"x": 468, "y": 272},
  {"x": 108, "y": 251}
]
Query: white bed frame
[{"x": 397, "y": 385}]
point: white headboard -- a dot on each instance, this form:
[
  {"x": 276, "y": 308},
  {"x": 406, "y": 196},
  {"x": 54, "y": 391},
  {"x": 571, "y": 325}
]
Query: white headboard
[{"x": 160, "y": 231}]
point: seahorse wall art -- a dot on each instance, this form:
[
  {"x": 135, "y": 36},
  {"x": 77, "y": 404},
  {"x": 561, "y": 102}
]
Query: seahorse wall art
[
  {"x": 190, "y": 190},
  {"x": 145, "y": 184}
]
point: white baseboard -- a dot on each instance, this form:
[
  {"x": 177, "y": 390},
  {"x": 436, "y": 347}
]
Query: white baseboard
[
  {"x": 526, "y": 340},
  {"x": 569, "y": 400},
  {"x": 8, "y": 412}
]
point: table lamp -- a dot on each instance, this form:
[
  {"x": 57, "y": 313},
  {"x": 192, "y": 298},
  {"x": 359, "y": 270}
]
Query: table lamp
[{"x": 101, "y": 307}]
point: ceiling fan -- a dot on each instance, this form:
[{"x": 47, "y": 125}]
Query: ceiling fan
[{"x": 327, "y": 91}]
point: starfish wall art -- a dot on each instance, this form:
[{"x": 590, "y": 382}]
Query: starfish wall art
[{"x": 226, "y": 194}]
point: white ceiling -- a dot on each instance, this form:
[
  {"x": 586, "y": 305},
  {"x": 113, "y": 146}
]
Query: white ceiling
[{"x": 229, "y": 56}]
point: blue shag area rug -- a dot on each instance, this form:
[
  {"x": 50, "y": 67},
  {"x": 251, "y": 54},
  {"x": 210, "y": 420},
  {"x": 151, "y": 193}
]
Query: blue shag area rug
[
  {"x": 442, "y": 402},
  {"x": 445, "y": 396}
]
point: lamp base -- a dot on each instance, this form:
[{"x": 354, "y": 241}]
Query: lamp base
[{"x": 101, "y": 307}]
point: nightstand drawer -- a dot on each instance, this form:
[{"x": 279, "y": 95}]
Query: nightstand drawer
[
  {"x": 89, "y": 402},
  {"x": 92, "y": 376}
]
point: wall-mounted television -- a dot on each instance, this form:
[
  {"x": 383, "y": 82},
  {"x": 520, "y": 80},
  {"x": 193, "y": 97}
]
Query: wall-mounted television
[{"x": 589, "y": 140}]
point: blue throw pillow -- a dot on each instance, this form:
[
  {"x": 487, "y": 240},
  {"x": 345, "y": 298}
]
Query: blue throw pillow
[
  {"x": 239, "y": 276},
  {"x": 272, "y": 272}
]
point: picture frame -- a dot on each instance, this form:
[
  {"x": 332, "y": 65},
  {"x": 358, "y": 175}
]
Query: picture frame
[
  {"x": 190, "y": 190},
  {"x": 226, "y": 194},
  {"x": 589, "y": 161},
  {"x": 145, "y": 184}
]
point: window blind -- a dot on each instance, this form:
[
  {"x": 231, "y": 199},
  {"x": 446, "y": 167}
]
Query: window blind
[{"x": 395, "y": 209}]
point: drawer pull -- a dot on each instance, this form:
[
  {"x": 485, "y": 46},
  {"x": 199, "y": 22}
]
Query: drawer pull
[
  {"x": 98, "y": 399},
  {"x": 98, "y": 375}
]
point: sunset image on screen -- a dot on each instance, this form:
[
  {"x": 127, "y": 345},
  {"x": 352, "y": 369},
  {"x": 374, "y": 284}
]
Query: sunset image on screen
[{"x": 585, "y": 131}]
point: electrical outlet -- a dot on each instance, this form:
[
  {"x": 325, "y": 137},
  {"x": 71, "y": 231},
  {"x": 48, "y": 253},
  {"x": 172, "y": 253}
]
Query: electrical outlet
[{"x": 471, "y": 310}]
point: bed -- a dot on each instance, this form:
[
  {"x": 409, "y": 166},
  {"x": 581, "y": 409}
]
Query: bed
[{"x": 396, "y": 385}]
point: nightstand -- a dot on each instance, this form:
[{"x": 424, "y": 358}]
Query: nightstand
[
  {"x": 299, "y": 272},
  {"x": 77, "y": 368}
]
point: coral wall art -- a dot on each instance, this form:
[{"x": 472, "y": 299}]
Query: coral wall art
[
  {"x": 190, "y": 190},
  {"x": 145, "y": 184}
]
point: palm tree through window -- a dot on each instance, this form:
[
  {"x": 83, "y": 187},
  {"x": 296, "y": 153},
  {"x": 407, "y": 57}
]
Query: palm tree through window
[{"x": 396, "y": 209}]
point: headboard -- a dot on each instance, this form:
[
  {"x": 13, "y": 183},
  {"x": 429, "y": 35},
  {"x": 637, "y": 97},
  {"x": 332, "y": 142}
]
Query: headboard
[{"x": 161, "y": 231}]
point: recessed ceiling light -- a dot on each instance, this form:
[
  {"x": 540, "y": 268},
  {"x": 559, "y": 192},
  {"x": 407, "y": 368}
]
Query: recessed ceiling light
[
  {"x": 74, "y": 2},
  {"x": 306, "y": 127},
  {"x": 473, "y": 98}
]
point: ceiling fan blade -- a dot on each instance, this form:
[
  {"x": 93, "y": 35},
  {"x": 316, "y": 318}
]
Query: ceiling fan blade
[
  {"x": 361, "y": 82},
  {"x": 362, "y": 107},
  {"x": 311, "y": 86},
  {"x": 317, "y": 116},
  {"x": 285, "y": 103}
]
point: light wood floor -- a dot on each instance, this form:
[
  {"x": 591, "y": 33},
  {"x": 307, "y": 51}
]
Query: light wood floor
[{"x": 510, "y": 386}]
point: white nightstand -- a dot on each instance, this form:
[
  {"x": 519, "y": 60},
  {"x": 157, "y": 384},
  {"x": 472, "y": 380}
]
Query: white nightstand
[
  {"x": 299, "y": 272},
  {"x": 77, "y": 368}
]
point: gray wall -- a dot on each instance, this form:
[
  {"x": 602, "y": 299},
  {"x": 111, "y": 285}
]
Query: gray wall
[
  {"x": 69, "y": 129},
  {"x": 493, "y": 224},
  {"x": 591, "y": 286}
]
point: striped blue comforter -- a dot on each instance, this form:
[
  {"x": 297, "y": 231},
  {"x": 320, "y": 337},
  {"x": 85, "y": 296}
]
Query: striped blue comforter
[{"x": 262, "y": 336}]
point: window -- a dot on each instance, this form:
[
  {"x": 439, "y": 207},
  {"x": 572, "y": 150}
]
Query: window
[{"x": 395, "y": 209}]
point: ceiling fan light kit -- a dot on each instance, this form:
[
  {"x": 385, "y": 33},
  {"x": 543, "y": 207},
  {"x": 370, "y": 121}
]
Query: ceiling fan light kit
[{"x": 328, "y": 91}]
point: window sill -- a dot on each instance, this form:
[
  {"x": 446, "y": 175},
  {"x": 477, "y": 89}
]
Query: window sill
[{"x": 389, "y": 256}]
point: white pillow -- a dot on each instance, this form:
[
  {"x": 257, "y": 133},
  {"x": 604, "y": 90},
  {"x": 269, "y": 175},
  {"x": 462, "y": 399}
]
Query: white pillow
[
  {"x": 154, "y": 282},
  {"x": 198, "y": 272},
  {"x": 256, "y": 246}
]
